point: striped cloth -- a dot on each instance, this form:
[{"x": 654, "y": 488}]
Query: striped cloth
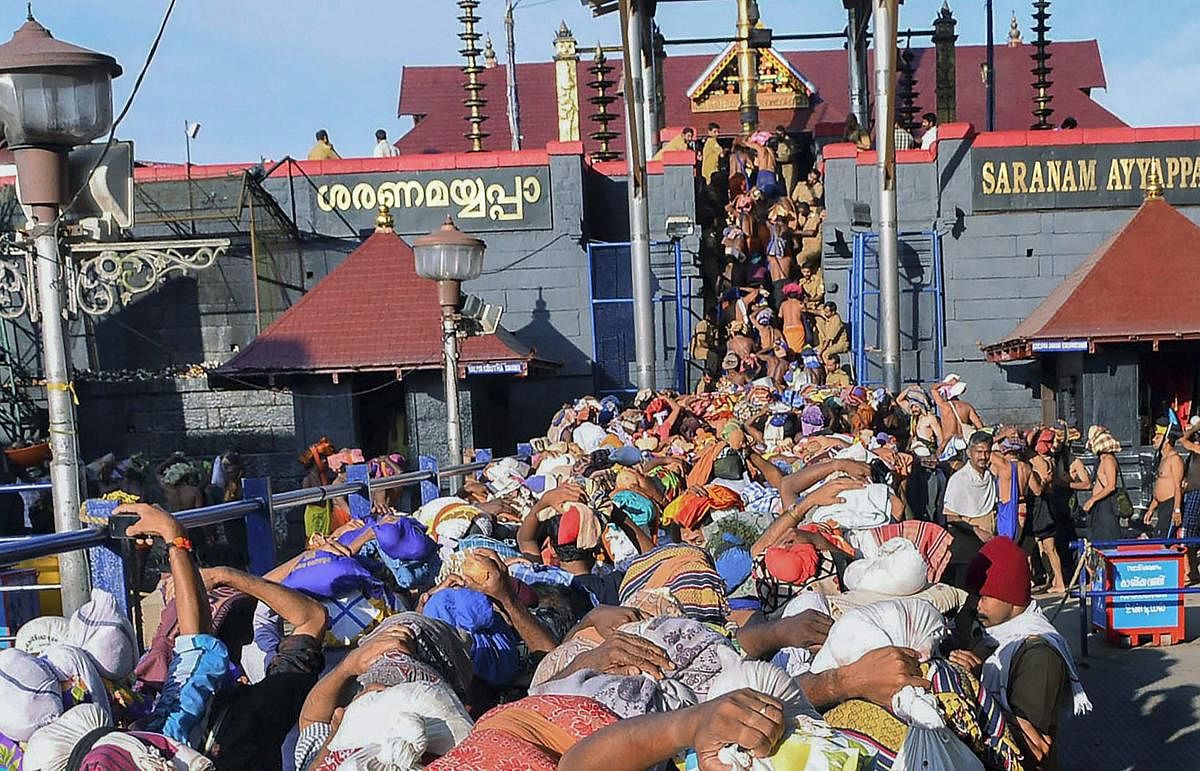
[
  {"x": 1191, "y": 514},
  {"x": 932, "y": 541},
  {"x": 687, "y": 573}
]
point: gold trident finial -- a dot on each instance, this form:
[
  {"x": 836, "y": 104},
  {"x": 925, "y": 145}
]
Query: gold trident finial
[
  {"x": 384, "y": 222},
  {"x": 1153, "y": 187}
]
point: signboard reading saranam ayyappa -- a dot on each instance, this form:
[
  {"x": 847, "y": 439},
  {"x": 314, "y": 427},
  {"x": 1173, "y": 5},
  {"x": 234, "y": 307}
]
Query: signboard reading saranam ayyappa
[
  {"x": 1083, "y": 176},
  {"x": 479, "y": 200}
]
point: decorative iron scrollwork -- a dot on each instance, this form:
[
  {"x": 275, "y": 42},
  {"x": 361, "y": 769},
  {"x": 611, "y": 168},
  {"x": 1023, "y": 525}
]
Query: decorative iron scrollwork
[
  {"x": 18, "y": 293},
  {"x": 105, "y": 276}
]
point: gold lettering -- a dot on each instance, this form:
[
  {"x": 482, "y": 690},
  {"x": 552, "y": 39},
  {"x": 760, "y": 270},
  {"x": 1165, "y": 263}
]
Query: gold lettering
[
  {"x": 989, "y": 177},
  {"x": 532, "y": 189},
  {"x": 471, "y": 195},
  {"x": 1186, "y": 164},
  {"x": 1054, "y": 176},
  {"x": 1036, "y": 184},
  {"x": 1114, "y": 176},
  {"x": 1068, "y": 182},
  {"x": 363, "y": 196},
  {"x": 437, "y": 194},
  {"x": 1087, "y": 174},
  {"x": 1196, "y": 173},
  {"x": 322, "y": 202},
  {"x": 1019, "y": 185},
  {"x": 1127, "y": 173},
  {"x": 1002, "y": 185},
  {"x": 499, "y": 199},
  {"x": 1172, "y": 171},
  {"x": 339, "y": 195},
  {"x": 1143, "y": 165}
]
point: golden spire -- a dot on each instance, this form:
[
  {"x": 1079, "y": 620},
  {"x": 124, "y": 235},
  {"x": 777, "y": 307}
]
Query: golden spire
[
  {"x": 1153, "y": 187},
  {"x": 384, "y": 222},
  {"x": 1014, "y": 32},
  {"x": 474, "y": 101}
]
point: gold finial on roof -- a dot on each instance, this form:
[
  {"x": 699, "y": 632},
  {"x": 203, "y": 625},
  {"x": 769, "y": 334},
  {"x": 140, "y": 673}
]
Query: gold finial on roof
[
  {"x": 1153, "y": 187},
  {"x": 1014, "y": 32},
  {"x": 384, "y": 222}
]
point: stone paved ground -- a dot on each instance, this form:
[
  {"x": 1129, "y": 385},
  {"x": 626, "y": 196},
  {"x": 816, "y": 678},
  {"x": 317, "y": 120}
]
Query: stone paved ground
[{"x": 1147, "y": 703}]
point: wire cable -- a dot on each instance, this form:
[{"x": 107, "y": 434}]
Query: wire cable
[{"x": 112, "y": 133}]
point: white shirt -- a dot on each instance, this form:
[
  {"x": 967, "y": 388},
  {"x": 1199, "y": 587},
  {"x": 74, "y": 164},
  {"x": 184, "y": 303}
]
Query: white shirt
[
  {"x": 928, "y": 138},
  {"x": 385, "y": 149},
  {"x": 970, "y": 494}
]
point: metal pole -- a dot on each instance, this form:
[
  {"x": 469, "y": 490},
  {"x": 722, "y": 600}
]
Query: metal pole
[
  {"x": 254, "y": 268},
  {"x": 510, "y": 71},
  {"x": 639, "y": 209},
  {"x": 747, "y": 65},
  {"x": 856, "y": 56},
  {"x": 187, "y": 137},
  {"x": 450, "y": 376},
  {"x": 889, "y": 264},
  {"x": 990, "y": 110},
  {"x": 60, "y": 394},
  {"x": 650, "y": 86}
]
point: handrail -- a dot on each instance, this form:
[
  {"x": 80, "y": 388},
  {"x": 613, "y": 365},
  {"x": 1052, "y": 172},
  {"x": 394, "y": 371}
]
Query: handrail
[
  {"x": 21, "y": 487},
  {"x": 34, "y": 547}
]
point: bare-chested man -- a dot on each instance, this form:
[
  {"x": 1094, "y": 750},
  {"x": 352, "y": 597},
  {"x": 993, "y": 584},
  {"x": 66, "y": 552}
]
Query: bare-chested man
[
  {"x": 791, "y": 311},
  {"x": 1167, "y": 502},
  {"x": 959, "y": 417}
]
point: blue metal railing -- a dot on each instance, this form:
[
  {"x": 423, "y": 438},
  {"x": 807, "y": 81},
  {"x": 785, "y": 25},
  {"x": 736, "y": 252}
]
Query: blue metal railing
[
  {"x": 107, "y": 563},
  {"x": 1085, "y": 592}
]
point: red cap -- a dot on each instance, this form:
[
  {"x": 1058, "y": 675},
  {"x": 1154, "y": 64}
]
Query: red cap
[{"x": 1000, "y": 570}]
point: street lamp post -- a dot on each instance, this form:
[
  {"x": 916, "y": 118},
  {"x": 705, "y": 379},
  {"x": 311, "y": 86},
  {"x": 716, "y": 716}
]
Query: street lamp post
[
  {"x": 53, "y": 96},
  {"x": 449, "y": 257}
]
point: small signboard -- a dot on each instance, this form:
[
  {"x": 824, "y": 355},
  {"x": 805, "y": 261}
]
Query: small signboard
[
  {"x": 1059, "y": 346},
  {"x": 1154, "y": 611},
  {"x": 497, "y": 368}
]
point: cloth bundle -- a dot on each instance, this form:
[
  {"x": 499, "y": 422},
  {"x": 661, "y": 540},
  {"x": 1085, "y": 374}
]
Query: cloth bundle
[
  {"x": 494, "y": 656},
  {"x": 897, "y": 569},
  {"x": 932, "y": 541},
  {"x": 863, "y": 508},
  {"x": 396, "y": 727},
  {"x": 436, "y": 643},
  {"x": 51, "y": 748},
  {"x": 906, "y": 623},
  {"x": 686, "y": 573},
  {"x": 690, "y": 508}
]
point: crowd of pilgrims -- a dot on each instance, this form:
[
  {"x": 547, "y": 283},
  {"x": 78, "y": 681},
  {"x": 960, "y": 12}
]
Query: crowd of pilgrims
[{"x": 815, "y": 577}]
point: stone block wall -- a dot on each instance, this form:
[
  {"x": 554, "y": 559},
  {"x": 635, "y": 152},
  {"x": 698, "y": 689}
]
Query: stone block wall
[{"x": 161, "y": 416}]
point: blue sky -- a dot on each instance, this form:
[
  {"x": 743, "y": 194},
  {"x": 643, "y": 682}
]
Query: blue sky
[{"x": 262, "y": 75}]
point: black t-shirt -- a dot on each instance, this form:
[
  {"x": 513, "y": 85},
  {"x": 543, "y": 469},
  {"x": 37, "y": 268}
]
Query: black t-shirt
[{"x": 250, "y": 722}]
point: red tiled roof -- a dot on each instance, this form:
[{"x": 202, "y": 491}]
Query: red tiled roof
[
  {"x": 434, "y": 95},
  {"x": 372, "y": 312},
  {"x": 1141, "y": 284}
]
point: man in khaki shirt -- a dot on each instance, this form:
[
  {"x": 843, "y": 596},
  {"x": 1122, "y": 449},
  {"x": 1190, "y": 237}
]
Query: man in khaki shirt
[
  {"x": 323, "y": 150},
  {"x": 835, "y": 376},
  {"x": 710, "y": 157},
  {"x": 810, "y": 190}
]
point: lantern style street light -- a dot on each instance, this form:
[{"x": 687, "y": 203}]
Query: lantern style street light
[
  {"x": 54, "y": 96},
  {"x": 449, "y": 257}
]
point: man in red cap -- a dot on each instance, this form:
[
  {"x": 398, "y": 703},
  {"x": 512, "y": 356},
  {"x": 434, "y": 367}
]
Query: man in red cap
[{"x": 1030, "y": 664}]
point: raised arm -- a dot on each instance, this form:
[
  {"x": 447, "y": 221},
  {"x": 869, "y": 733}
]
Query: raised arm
[
  {"x": 306, "y": 615},
  {"x": 191, "y": 601}
]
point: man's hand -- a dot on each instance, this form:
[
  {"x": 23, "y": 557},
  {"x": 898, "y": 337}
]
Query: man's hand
[
  {"x": 152, "y": 521},
  {"x": 831, "y": 492},
  {"x": 806, "y": 630},
  {"x": 751, "y": 720},
  {"x": 485, "y": 572},
  {"x": 567, "y": 492},
  {"x": 968, "y": 661},
  {"x": 625, "y": 654},
  {"x": 605, "y": 619},
  {"x": 880, "y": 673},
  {"x": 1038, "y": 743},
  {"x": 855, "y": 469},
  {"x": 395, "y": 638}
]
